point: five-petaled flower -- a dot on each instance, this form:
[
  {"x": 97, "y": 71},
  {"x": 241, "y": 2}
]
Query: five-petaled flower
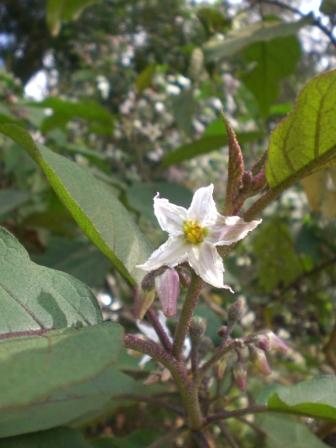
[{"x": 194, "y": 234}]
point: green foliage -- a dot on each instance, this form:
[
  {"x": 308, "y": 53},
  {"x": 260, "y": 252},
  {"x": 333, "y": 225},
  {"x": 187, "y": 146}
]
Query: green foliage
[
  {"x": 277, "y": 261},
  {"x": 76, "y": 257},
  {"x": 54, "y": 438},
  {"x": 304, "y": 142},
  {"x": 283, "y": 431},
  {"x": 61, "y": 377},
  {"x": 109, "y": 225},
  {"x": 12, "y": 199},
  {"x": 37, "y": 298},
  {"x": 314, "y": 398},
  {"x": 64, "y": 10},
  {"x": 141, "y": 438},
  {"x": 258, "y": 32},
  {"x": 271, "y": 61},
  {"x": 99, "y": 118},
  {"x": 328, "y": 7}
]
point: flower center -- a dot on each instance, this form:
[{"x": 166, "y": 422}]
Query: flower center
[{"x": 193, "y": 232}]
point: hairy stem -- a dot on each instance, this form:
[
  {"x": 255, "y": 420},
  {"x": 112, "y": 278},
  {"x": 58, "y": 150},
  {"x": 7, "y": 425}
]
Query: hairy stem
[
  {"x": 189, "y": 306},
  {"x": 162, "y": 335},
  {"x": 187, "y": 389}
]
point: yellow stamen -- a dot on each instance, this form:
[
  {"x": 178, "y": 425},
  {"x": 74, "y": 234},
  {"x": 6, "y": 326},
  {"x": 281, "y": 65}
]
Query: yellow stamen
[{"x": 193, "y": 232}]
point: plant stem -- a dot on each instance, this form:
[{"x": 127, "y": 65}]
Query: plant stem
[
  {"x": 188, "y": 308},
  {"x": 236, "y": 413},
  {"x": 162, "y": 335},
  {"x": 187, "y": 389}
]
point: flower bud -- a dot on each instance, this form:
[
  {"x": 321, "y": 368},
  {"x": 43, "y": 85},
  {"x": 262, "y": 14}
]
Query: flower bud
[
  {"x": 260, "y": 361},
  {"x": 240, "y": 376},
  {"x": 223, "y": 331},
  {"x": 263, "y": 342},
  {"x": 168, "y": 288},
  {"x": 277, "y": 344},
  {"x": 236, "y": 311},
  {"x": 197, "y": 329}
]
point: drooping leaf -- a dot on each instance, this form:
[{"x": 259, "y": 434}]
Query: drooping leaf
[
  {"x": 273, "y": 61},
  {"x": 11, "y": 200},
  {"x": 64, "y": 10},
  {"x": 258, "y": 32},
  {"x": 53, "y": 438},
  {"x": 314, "y": 398},
  {"x": 92, "y": 204},
  {"x": 305, "y": 141},
  {"x": 287, "y": 432},
  {"x": 60, "y": 377},
  {"x": 35, "y": 298},
  {"x": 64, "y": 111}
]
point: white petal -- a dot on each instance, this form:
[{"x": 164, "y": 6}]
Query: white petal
[
  {"x": 207, "y": 263},
  {"x": 147, "y": 330},
  {"x": 203, "y": 207},
  {"x": 230, "y": 229},
  {"x": 170, "y": 253},
  {"x": 170, "y": 216}
]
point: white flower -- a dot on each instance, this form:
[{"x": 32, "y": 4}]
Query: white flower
[{"x": 194, "y": 235}]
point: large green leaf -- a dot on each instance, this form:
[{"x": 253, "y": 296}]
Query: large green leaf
[
  {"x": 258, "y": 32},
  {"x": 60, "y": 377},
  {"x": 314, "y": 398},
  {"x": 92, "y": 204},
  {"x": 274, "y": 60},
  {"x": 59, "y": 10},
  {"x": 306, "y": 140},
  {"x": 53, "y": 438},
  {"x": 35, "y": 298},
  {"x": 287, "y": 432}
]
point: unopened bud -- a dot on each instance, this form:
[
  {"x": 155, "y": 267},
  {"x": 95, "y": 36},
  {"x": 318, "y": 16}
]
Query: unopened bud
[
  {"x": 240, "y": 376},
  {"x": 236, "y": 310},
  {"x": 263, "y": 342},
  {"x": 168, "y": 288},
  {"x": 277, "y": 344},
  {"x": 260, "y": 361},
  {"x": 223, "y": 331},
  {"x": 197, "y": 329}
]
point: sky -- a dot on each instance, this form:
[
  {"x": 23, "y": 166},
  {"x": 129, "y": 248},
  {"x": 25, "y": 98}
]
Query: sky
[{"x": 36, "y": 88}]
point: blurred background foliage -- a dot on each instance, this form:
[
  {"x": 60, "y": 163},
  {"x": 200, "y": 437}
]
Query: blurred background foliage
[{"x": 133, "y": 90}]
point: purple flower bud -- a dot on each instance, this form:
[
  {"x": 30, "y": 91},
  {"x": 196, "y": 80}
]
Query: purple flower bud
[
  {"x": 168, "y": 289},
  {"x": 260, "y": 361},
  {"x": 263, "y": 341},
  {"x": 277, "y": 344},
  {"x": 240, "y": 376}
]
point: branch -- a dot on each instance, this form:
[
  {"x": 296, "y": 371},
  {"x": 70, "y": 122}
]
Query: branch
[
  {"x": 236, "y": 413},
  {"x": 316, "y": 21},
  {"x": 162, "y": 335}
]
